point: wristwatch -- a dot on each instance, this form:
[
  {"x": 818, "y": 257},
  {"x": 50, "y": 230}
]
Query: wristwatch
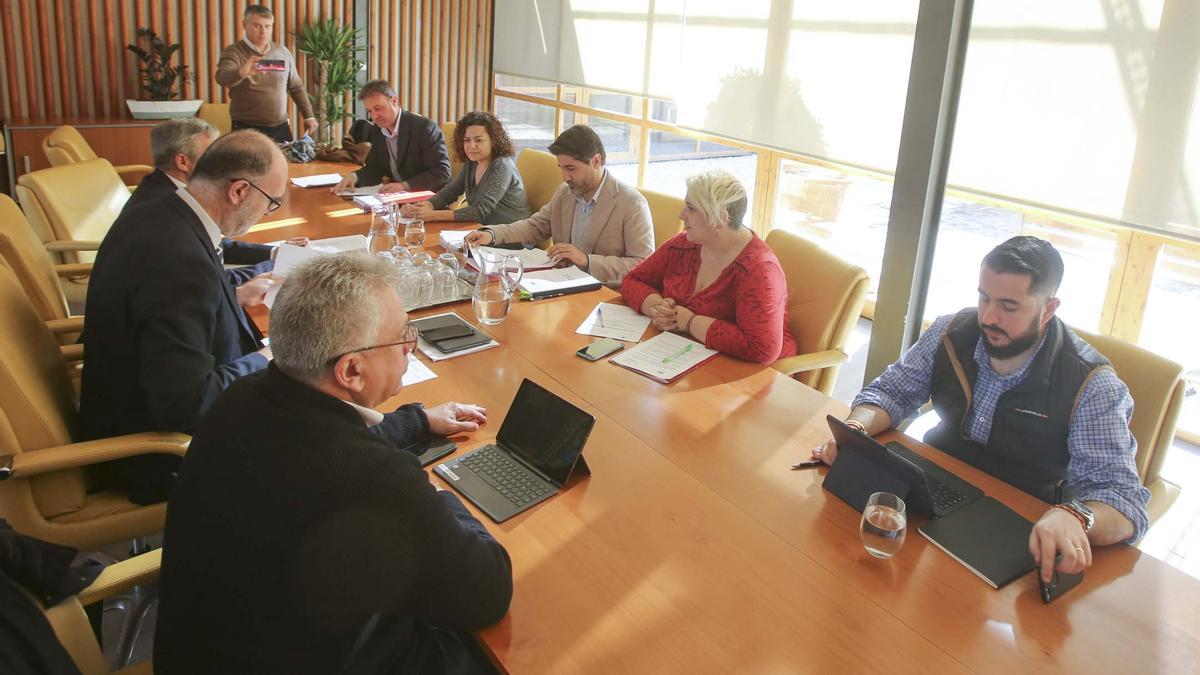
[{"x": 1081, "y": 511}]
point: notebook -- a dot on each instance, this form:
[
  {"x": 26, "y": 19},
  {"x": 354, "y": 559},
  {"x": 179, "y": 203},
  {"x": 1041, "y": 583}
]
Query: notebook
[
  {"x": 539, "y": 446},
  {"x": 556, "y": 282},
  {"x": 987, "y": 537},
  {"x": 664, "y": 357}
]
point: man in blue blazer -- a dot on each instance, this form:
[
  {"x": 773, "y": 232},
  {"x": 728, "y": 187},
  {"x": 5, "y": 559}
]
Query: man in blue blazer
[
  {"x": 165, "y": 330},
  {"x": 408, "y": 149},
  {"x": 175, "y": 146}
]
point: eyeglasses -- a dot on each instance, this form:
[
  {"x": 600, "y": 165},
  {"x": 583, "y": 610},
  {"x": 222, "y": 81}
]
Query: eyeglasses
[
  {"x": 408, "y": 339},
  {"x": 276, "y": 202}
]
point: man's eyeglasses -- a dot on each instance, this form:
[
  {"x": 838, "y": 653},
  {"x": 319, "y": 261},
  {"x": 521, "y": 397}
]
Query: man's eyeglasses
[
  {"x": 408, "y": 339},
  {"x": 276, "y": 202}
]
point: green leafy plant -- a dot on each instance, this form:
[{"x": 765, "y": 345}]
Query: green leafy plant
[
  {"x": 334, "y": 49},
  {"x": 158, "y": 77}
]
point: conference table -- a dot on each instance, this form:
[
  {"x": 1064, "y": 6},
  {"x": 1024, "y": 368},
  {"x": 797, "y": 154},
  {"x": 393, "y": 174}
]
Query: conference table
[{"x": 692, "y": 548}]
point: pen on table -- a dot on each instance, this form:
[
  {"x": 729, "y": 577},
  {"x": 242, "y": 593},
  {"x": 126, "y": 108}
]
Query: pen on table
[
  {"x": 686, "y": 348},
  {"x": 600, "y": 314},
  {"x": 807, "y": 464}
]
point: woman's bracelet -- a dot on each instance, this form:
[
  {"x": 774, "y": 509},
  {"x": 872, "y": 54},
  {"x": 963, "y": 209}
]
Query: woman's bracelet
[{"x": 687, "y": 325}]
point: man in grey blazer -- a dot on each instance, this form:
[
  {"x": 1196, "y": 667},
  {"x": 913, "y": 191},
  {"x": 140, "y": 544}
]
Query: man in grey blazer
[{"x": 597, "y": 223}]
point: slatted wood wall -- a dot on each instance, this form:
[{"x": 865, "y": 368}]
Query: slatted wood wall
[
  {"x": 67, "y": 58},
  {"x": 441, "y": 56}
]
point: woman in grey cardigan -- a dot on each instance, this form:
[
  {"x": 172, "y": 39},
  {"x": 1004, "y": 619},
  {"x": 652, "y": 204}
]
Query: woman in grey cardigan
[{"x": 489, "y": 177}]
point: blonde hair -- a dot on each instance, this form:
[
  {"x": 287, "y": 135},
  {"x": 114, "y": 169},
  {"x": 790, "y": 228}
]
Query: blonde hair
[{"x": 719, "y": 196}]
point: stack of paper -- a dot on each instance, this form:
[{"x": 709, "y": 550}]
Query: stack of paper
[
  {"x": 531, "y": 258},
  {"x": 614, "y": 321},
  {"x": 555, "y": 282},
  {"x": 664, "y": 357},
  {"x": 453, "y": 239},
  {"x": 369, "y": 203},
  {"x": 290, "y": 256},
  {"x": 351, "y": 242},
  {"x": 347, "y": 193},
  {"x": 317, "y": 181}
]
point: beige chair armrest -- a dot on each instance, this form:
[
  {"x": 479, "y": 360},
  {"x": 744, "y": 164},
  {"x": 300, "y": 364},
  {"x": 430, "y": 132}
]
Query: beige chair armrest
[
  {"x": 140, "y": 169},
  {"x": 120, "y": 577},
  {"x": 57, "y": 246},
  {"x": 73, "y": 270},
  {"x": 805, "y": 362},
  {"x": 49, "y": 460},
  {"x": 71, "y": 353},
  {"x": 71, "y": 324}
]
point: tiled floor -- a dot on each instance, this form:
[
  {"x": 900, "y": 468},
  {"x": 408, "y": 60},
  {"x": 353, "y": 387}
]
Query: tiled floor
[{"x": 1175, "y": 538}]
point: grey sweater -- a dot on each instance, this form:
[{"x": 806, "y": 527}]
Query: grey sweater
[{"x": 498, "y": 198}]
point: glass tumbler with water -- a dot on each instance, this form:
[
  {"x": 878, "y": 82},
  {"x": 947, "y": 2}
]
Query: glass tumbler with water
[
  {"x": 883, "y": 525},
  {"x": 414, "y": 234}
]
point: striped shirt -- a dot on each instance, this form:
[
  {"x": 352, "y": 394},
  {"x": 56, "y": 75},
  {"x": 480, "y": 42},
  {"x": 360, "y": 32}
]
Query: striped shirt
[{"x": 1101, "y": 447}]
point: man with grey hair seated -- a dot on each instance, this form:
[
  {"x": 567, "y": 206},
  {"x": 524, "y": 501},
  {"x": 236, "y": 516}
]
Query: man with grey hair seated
[
  {"x": 297, "y": 507},
  {"x": 175, "y": 146},
  {"x": 165, "y": 329}
]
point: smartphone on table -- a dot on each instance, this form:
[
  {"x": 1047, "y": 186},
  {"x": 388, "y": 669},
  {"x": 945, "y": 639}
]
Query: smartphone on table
[{"x": 600, "y": 349}]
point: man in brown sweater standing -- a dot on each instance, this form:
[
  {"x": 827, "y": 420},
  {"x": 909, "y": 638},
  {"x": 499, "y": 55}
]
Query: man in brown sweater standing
[{"x": 260, "y": 75}]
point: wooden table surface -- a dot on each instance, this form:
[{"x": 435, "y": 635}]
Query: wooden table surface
[{"x": 692, "y": 547}]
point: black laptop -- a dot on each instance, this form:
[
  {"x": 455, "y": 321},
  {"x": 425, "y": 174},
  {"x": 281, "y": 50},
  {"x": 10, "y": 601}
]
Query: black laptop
[
  {"x": 865, "y": 466},
  {"x": 539, "y": 446}
]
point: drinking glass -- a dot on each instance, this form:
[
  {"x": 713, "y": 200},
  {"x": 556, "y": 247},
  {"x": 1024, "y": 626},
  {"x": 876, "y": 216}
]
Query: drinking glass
[
  {"x": 882, "y": 526},
  {"x": 414, "y": 234},
  {"x": 448, "y": 273}
]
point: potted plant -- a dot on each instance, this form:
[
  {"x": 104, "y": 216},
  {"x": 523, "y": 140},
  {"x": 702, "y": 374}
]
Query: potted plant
[
  {"x": 333, "y": 49},
  {"x": 159, "y": 78}
]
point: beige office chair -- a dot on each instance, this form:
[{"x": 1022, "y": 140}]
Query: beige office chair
[
  {"x": 216, "y": 114},
  {"x": 664, "y": 213},
  {"x": 65, "y": 145},
  {"x": 29, "y": 261},
  {"x": 1157, "y": 387},
  {"x": 44, "y": 488},
  {"x": 825, "y": 298},
  {"x": 72, "y": 627},
  {"x": 456, "y": 164},
  {"x": 540, "y": 175},
  {"x": 72, "y": 206}
]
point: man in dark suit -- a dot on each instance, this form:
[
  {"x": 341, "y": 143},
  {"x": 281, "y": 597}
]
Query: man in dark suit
[
  {"x": 405, "y": 147},
  {"x": 165, "y": 330},
  {"x": 176, "y": 145},
  {"x": 328, "y": 547}
]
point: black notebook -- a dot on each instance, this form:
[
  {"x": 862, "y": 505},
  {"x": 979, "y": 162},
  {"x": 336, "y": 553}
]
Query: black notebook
[{"x": 987, "y": 537}]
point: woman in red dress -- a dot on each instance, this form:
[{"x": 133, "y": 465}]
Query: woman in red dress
[{"x": 716, "y": 282}]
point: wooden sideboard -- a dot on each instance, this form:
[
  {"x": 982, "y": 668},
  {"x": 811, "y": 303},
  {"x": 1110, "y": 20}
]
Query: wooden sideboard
[{"x": 119, "y": 140}]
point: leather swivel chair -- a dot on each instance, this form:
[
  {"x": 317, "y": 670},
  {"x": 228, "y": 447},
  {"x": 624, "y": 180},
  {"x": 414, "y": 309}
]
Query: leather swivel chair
[
  {"x": 25, "y": 255},
  {"x": 44, "y": 485},
  {"x": 216, "y": 114},
  {"x": 71, "y": 625},
  {"x": 1157, "y": 387},
  {"x": 540, "y": 175},
  {"x": 65, "y": 145},
  {"x": 456, "y": 164},
  {"x": 825, "y": 298},
  {"x": 664, "y": 215},
  {"x": 71, "y": 207}
]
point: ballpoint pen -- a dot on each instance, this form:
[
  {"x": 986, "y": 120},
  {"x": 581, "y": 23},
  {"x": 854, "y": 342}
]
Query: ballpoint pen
[
  {"x": 686, "y": 348},
  {"x": 600, "y": 314}
]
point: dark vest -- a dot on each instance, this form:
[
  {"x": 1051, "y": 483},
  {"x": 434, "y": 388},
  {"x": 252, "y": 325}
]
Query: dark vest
[{"x": 1027, "y": 446}]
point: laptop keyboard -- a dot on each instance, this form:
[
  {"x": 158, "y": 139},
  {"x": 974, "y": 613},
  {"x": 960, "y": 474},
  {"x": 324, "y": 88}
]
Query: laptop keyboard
[
  {"x": 506, "y": 475},
  {"x": 944, "y": 498}
]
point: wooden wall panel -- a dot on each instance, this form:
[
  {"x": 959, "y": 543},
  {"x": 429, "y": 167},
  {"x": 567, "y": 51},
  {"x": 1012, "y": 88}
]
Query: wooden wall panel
[
  {"x": 437, "y": 53},
  {"x": 67, "y": 58}
]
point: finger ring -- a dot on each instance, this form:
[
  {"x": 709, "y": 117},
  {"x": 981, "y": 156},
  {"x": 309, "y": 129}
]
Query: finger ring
[
  {"x": 817, "y": 450},
  {"x": 1079, "y": 548}
]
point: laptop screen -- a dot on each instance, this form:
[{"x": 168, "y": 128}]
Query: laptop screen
[{"x": 545, "y": 431}]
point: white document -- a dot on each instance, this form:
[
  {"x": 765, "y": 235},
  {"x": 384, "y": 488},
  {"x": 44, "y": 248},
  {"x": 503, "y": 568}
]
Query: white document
[
  {"x": 557, "y": 280},
  {"x": 453, "y": 238},
  {"x": 531, "y": 258},
  {"x": 350, "y": 242},
  {"x": 417, "y": 372},
  {"x": 286, "y": 260},
  {"x": 664, "y": 357},
  {"x": 614, "y": 321},
  {"x": 319, "y": 180}
]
